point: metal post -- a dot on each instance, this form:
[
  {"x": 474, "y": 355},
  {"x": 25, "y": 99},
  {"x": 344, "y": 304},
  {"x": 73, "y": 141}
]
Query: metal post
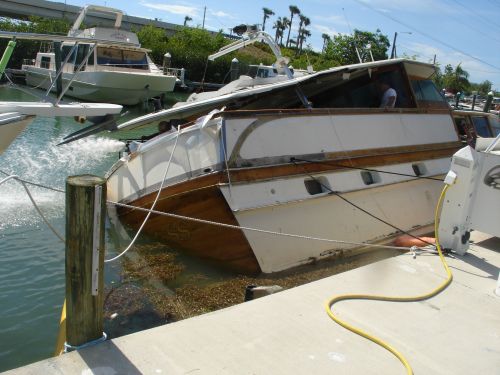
[
  {"x": 85, "y": 213},
  {"x": 235, "y": 69},
  {"x": 167, "y": 62},
  {"x": 393, "y": 52},
  {"x": 489, "y": 100},
  {"x": 204, "y": 13},
  {"x": 57, "y": 56}
]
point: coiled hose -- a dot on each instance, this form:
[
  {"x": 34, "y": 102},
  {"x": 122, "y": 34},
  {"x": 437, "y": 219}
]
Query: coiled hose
[{"x": 431, "y": 294}]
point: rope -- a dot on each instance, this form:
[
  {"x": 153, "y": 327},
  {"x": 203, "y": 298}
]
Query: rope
[
  {"x": 14, "y": 177},
  {"x": 68, "y": 347},
  {"x": 237, "y": 227},
  {"x": 229, "y": 226},
  {"x": 439, "y": 289},
  {"x": 152, "y": 206},
  {"x": 362, "y": 209},
  {"x": 35, "y": 184}
]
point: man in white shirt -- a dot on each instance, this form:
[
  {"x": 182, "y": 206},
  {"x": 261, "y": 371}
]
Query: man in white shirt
[{"x": 388, "y": 97}]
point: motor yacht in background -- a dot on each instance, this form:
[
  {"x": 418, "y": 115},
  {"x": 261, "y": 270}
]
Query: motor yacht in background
[{"x": 106, "y": 65}]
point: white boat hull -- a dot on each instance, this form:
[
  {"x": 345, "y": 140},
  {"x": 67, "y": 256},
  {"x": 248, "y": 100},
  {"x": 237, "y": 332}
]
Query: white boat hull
[
  {"x": 124, "y": 88},
  {"x": 11, "y": 125}
]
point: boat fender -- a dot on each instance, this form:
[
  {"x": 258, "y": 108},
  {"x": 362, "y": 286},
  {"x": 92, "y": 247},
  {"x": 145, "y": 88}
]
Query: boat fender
[
  {"x": 80, "y": 119},
  {"x": 408, "y": 241}
]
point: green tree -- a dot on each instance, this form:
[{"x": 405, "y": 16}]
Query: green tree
[
  {"x": 285, "y": 25},
  {"x": 26, "y": 49},
  {"x": 278, "y": 24},
  {"x": 343, "y": 47},
  {"x": 326, "y": 39},
  {"x": 186, "y": 20},
  {"x": 304, "y": 22},
  {"x": 155, "y": 39},
  {"x": 484, "y": 87},
  {"x": 267, "y": 13},
  {"x": 456, "y": 80},
  {"x": 293, "y": 10}
]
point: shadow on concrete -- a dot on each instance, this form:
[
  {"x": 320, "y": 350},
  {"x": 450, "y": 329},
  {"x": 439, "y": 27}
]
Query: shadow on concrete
[
  {"x": 107, "y": 359},
  {"x": 491, "y": 244}
]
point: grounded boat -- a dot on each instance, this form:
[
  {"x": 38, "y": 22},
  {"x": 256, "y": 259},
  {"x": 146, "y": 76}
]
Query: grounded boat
[
  {"x": 274, "y": 161},
  {"x": 106, "y": 65}
]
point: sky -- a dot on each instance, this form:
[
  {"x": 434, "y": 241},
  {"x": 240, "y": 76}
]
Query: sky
[{"x": 456, "y": 31}]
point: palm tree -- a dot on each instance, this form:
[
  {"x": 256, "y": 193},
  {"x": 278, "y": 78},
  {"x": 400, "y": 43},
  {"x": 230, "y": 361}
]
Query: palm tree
[
  {"x": 187, "y": 19},
  {"x": 302, "y": 37},
  {"x": 278, "y": 25},
  {"x": 326, "y": 39},
  {"x": 304, "y": 21},
  {"x": 267, "y": 12},
  {"x": 293, "y": 10},
  {"x": 284, "y": 26}
]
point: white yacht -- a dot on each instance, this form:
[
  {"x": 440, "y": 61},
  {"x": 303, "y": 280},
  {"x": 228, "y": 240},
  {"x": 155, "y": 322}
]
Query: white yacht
[{"x": 106, "y": 65}]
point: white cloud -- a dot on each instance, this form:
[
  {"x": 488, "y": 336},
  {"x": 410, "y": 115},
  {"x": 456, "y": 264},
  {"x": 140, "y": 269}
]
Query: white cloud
[
  {"x": 221, "y": 14},
  {"x": 336, "y": 20},
  {"x": 325, "y": 30},
  {"x": 174, "y": 9}
]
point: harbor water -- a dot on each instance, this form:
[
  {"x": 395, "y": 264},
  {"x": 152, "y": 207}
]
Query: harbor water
[{"x": 31, "y": 256}]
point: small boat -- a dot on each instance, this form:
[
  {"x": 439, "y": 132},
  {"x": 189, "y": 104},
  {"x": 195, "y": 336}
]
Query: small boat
[
  {"x": 105, "y": 65},
  {"x": 312, "y": 156}
]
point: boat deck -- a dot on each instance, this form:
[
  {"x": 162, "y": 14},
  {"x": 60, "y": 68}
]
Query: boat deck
[{"x": 457, "y": 332}]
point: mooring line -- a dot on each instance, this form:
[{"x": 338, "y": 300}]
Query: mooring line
[
  {"x": 413, "y": 249},
  {"x": 14, "y": 177}
]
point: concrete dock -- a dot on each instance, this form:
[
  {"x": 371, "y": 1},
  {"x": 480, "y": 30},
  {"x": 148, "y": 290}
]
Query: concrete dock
[{"x": 457, "y": 332}]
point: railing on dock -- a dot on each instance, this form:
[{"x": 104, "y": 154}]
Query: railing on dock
[{"x": 176, "y": 72}]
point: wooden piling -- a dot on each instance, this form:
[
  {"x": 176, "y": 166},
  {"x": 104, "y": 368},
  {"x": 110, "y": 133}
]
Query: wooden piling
[{"x": 85, "y": 213}]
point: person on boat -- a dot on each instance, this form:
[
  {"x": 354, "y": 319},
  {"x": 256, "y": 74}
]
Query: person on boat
[{"x": 389, "y": 95}]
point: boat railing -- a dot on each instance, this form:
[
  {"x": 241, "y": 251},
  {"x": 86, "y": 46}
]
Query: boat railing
[
  {"x": 46, "y": 47},
  {"x": 30, "y": 62},
  {"x": 176, "y": 72}
]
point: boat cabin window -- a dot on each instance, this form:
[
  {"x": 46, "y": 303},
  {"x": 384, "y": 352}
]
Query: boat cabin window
[
  {"x": 481, "y": 126},
  {"x": 45, "y": 62},
  {"x": 252, "y": 71},
  {"x": 83, "y": 50},
  {"x": 427, "y": 95},
  {"x": 66, "y": 49},
  {"x": 359, "y": 90},
  {"x": 122, "y": 58}
]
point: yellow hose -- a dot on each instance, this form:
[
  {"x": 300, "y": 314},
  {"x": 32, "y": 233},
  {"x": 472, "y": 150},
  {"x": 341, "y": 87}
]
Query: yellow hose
[
  {"x": 61, "y": 337},
  {"x": 436, "y": 291}
]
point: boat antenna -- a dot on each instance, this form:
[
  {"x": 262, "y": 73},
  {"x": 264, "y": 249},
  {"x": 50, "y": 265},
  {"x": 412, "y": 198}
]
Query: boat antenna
[{"x": 353, "y": 36}]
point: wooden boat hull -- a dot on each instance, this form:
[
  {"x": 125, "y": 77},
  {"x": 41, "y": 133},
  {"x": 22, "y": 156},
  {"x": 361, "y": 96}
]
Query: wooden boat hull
[{"x": 280, "y": 172}]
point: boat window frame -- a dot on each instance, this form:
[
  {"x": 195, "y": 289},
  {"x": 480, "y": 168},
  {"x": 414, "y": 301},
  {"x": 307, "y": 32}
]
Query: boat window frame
[
  {"x": 143, "y": 65},
  {"x": 438, "y": 104}
]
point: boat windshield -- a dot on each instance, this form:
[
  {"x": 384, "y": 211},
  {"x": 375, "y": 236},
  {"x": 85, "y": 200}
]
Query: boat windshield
[{"x": 121, "y": 58}]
